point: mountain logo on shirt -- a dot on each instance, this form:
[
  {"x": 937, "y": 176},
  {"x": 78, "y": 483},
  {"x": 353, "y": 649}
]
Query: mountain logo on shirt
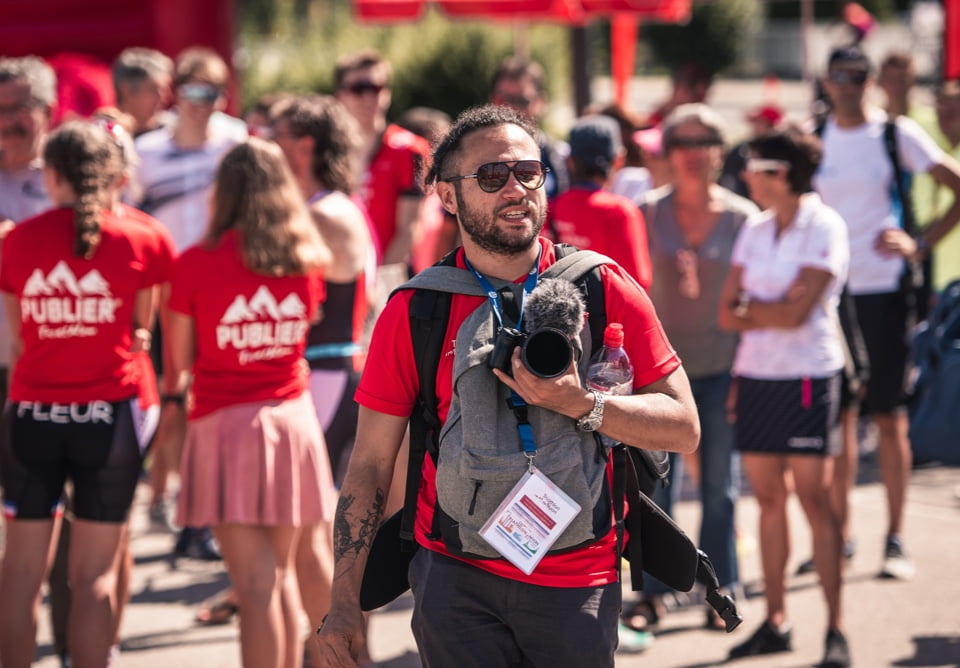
[
  {"x": 63, "y": 306},
  {"x": 261, "y": 327},
  {"x": 263, "y": 305}
]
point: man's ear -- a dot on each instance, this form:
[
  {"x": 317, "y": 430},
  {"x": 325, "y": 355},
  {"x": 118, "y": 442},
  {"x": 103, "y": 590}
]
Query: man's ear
[{"x": 448, "y": 197}]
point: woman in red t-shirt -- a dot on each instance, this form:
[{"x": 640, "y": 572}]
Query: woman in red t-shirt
[
  {"x": 78, "y": 284},
  {"x": 254, "y": 465}
]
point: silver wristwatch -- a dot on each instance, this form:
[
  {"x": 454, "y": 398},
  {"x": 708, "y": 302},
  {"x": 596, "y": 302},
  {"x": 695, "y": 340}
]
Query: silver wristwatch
[{"x": 591, "y": 421}]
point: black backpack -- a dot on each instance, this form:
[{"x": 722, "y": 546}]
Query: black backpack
[{"x": 671, "y": 556}]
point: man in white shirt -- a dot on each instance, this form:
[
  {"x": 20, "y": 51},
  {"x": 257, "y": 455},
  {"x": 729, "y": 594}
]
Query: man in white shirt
[
  {"x": 856, "y": 178},
  {"x": 178, "y": 165}
]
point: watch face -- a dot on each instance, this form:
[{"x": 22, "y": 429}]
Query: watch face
[{"x": 589, "y": 424}]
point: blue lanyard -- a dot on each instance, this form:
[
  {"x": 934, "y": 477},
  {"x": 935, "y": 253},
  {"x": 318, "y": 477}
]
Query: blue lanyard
[
  {"x": 494, "y": 297},
  {"x": 516, "y": 402}
]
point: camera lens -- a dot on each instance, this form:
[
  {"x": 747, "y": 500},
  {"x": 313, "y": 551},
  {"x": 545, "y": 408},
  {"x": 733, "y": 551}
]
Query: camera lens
[{"x": 547, "y": 353}]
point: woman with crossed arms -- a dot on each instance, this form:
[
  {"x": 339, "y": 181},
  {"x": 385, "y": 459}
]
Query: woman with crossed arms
[{"x": 787, "y": 270}]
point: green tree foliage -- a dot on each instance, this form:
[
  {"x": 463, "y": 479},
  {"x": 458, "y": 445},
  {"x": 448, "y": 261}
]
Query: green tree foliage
[
  {"x": 436, "y": 62},
  {"x": 711, "y": 38}
]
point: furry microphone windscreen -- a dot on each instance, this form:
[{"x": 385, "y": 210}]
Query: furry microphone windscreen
[{"x": 557, "y": 303}]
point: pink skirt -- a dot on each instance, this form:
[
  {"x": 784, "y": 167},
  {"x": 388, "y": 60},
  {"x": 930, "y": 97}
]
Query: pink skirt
[{"x": 261, "y": 463}]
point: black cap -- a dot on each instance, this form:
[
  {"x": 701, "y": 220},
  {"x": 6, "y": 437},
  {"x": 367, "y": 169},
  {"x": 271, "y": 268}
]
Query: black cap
[
  {"x": 850, "y": 57},
  {"x": 595, "y": 141}
]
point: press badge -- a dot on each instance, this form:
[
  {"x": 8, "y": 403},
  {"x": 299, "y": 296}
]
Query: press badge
[{"x": 529, "y": 520}]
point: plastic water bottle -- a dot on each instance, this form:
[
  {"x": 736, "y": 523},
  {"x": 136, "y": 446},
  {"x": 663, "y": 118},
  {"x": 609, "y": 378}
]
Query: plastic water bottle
[{"x": 610, "y": 371}]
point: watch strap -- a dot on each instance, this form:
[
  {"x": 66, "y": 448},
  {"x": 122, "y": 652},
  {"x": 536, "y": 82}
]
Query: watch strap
[{"x": 591, "y": 421}]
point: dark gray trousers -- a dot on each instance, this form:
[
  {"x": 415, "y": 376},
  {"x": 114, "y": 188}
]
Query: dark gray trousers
[{"x": 464, "y": 617}]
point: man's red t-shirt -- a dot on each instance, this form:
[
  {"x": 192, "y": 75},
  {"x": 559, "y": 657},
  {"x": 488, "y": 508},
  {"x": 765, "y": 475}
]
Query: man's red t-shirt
[
  {"x": 76, "y": 315},
  {"x": 390, "y": 385},
  {"x": 601, "y": 221},
  {"x": 393, "y": 173},
  {"x": 250, "y": 329}
]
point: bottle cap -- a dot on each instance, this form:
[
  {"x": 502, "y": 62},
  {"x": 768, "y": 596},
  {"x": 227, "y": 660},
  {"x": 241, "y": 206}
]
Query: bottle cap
[{"x": 613, "y": 335}]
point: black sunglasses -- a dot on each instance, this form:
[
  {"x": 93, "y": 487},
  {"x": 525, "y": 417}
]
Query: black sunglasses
[
  {"x": 362, "y": 87},
  {"x": 492, "y": 176},
  {"x": 847, "y": 77},
  {"x": 694, "y": 142}
]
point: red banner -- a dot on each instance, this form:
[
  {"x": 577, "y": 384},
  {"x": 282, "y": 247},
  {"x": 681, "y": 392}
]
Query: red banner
[{"x": 951, "y": 40}]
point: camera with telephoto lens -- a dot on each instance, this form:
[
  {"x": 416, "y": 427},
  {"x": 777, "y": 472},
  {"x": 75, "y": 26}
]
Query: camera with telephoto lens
[{"x": 546, "y": 352}]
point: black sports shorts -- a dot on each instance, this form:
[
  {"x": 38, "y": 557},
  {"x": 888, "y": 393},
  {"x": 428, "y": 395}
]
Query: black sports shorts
[
  {"x": 885, "y": 321},
  {"x": 98, "y": 445}
]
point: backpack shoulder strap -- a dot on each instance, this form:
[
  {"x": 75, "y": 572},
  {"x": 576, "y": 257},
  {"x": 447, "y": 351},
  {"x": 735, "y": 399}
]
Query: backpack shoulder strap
[
  {"x": 583, "y": 269},
  {"x": 899, "y": 182},
  {"x": 429, "y": 313}
]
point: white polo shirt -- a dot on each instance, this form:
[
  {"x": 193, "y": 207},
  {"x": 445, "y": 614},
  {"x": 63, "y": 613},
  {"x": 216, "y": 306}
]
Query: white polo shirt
[{"x": 816, "y": 238}]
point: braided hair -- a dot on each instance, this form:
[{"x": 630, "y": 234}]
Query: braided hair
[{"x": 89, "y": 160}]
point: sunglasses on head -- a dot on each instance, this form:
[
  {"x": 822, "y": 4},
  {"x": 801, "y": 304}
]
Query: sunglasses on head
[
  {"x": 847, "y": 77},
  {"x": 766, "y": 166},
  {"x": 694, "y": 142},
  {"x": 363, "y": 87},
  {"x": 493, "y": 176},
  {"x": 199, "y": 93}
]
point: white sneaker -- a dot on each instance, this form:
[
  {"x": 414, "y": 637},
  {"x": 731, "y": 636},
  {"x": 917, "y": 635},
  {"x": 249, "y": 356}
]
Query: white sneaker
[
  {"x": 161, "y": 516},
  {"x": 631, "y": 640},
  {"x": 896, "y": 564}
]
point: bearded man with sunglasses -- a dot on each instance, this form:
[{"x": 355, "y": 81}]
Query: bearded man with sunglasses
[
  {"x": 482, "y": 610},
  {"x": 857, "y": 179}
]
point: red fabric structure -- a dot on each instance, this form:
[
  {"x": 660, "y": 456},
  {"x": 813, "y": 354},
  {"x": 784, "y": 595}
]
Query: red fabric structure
[
  {"x": 951, "y": 40},
  {"x": 560, "y": 11},
  {"x": 83, "y": 85},
  {"x": 95, "y": 31},
  {"x": 625, "y": 16}
]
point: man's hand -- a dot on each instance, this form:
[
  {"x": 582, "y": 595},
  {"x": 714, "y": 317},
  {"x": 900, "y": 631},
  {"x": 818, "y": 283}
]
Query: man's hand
[
  {"x": 563, "y": 394},
  {"x": 896, "y": 242},
  {"x": 340, "y": 640}
]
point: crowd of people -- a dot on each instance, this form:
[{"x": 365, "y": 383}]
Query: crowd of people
[{"x": 206, "y": 298}]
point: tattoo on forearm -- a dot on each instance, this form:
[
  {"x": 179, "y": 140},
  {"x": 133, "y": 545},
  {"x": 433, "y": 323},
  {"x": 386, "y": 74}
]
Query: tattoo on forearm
[{"x": 364, "y": 521}]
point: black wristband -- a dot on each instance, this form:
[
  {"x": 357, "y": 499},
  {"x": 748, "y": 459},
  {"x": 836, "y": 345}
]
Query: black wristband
[{"x": 177, "y": 399}]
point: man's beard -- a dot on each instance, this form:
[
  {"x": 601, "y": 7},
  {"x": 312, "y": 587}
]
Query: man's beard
[{"x": 483, "y": 230}]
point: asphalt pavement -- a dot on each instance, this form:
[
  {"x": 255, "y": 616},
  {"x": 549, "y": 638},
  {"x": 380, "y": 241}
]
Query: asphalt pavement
[{"x": 890, "y": 623}]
